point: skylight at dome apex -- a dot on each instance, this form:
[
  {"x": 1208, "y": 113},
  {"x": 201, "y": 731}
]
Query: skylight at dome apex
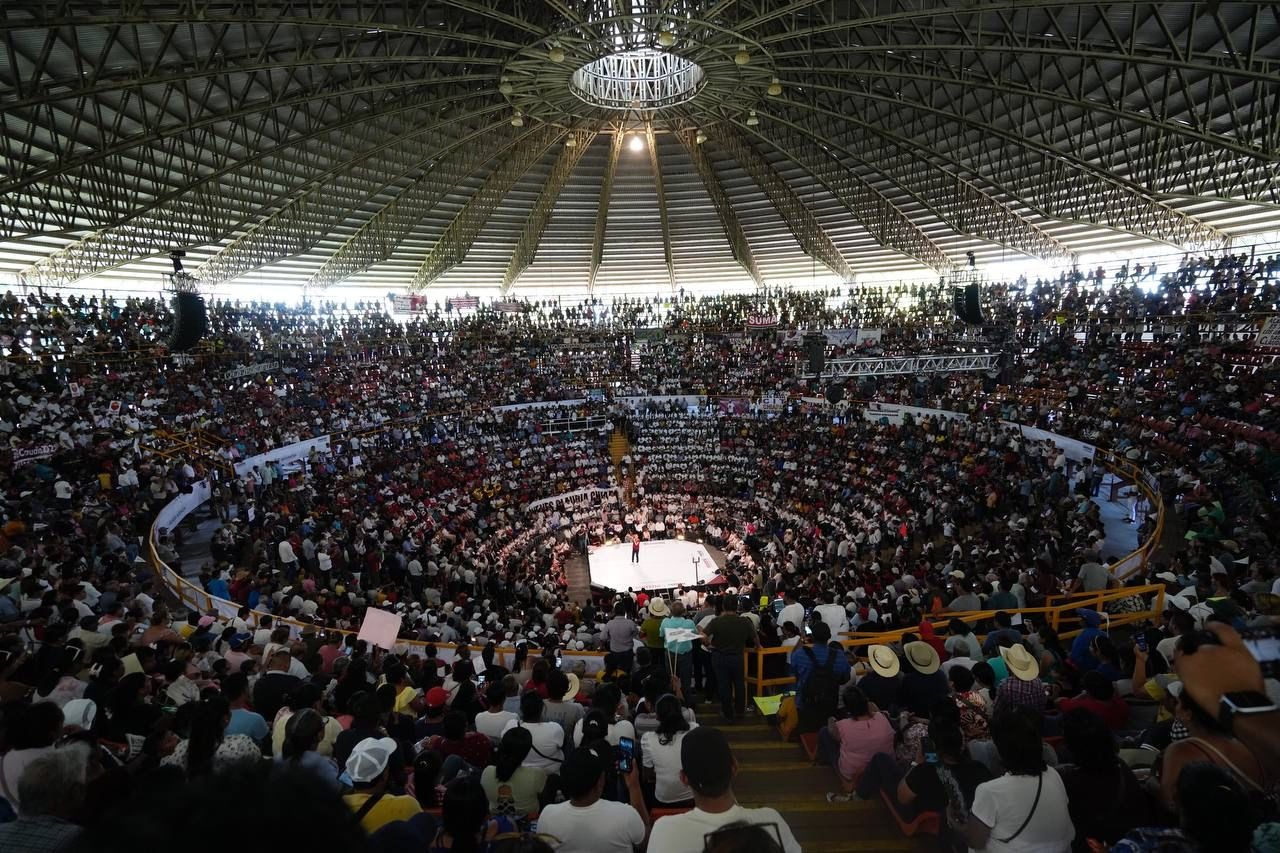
[{"x": 486, "y": 146}]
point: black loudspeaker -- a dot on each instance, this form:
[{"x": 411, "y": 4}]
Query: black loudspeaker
[
  {"x": 835, "y": 393},
  {"x": 966, "y": 304},
  {"x": 815, "y": 347},
  {"x": 189, "y": 321}
]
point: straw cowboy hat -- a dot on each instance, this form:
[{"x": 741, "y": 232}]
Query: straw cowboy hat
[
  {"x": 1020, "y": 663},
  {"x": 922, "y": 657},
  {"x": 658, "y": 607},
  {"x": 883, "y": 660},
  {"x": 575, "y": 684}
]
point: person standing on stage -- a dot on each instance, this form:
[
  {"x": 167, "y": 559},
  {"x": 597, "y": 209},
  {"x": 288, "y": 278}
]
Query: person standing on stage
[{"x": 635, "y": 547}]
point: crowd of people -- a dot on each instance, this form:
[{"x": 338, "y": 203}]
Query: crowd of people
[{"x": 432, "y": 501}]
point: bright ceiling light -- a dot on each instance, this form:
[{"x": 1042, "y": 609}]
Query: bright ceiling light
[
  {"x": 700, "y": 138},
  {"x": 506, "y": 88},
  {"x": 666, "y": 38},
  {"x": 637, "y": 144},
  {"x": 742, "y": 57},
  {"x": 556, "y": 54},
  {"x": 752, "y": 119},
  {"x": 517, "y": 120},
  {"x": 571, "y": 142},
  {"x": 775, "y": 88}
]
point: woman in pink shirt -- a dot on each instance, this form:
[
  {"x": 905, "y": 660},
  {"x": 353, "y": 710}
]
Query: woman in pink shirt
[{"x": 848, "y": 744}]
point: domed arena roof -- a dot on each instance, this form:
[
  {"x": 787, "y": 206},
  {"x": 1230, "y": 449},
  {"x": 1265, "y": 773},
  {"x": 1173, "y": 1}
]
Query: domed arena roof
[{"x": 617, "y": 144}]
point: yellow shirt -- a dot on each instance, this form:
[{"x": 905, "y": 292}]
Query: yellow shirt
[{"x": 389, "y": 809}]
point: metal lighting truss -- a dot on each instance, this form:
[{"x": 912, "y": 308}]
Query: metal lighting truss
[
  {"x": 738, "y": 246},
  {"x": 456, "y": 241},
  {"x": 602, "y": 211},
  {"x": 846, "y": 368},
  {"x": 798, "y": 218},
  {"x": 527, "y": 247},
  {"x": 664, "y": 218},
  {"x": 637, "y": 79}
]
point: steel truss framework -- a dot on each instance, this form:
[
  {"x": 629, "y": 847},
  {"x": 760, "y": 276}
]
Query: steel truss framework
[
  {"x": 847, "y": 368},
  {"x": 256, "y": 130}
]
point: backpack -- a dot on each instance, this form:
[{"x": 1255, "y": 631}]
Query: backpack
[{"x": 821, "y": 691}]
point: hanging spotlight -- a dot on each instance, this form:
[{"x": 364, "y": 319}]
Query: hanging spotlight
[
  {"x": 505, "y": 87},
  {"x": 637, "y": 144},
  {"x": 571, "y": 142},
  {"x": 666, "y": 38},
  {"x": 752, "y": 119},
  {"x": 700, "y": 138},
  {"x": 517, "y": 120},
  {"x": 742, "y": 57},
  {"x": 775, "y": 88},
  {"x": 556, "y": 54}
]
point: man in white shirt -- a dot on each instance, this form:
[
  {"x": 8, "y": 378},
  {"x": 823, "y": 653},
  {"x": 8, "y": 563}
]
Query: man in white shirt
[
  {"x": 793, "y": 612},
  {"x": 832, "y": 615},
  {"x": 587, "y": 823},
  {"x": 493, "y": 722},
  {"x": 708, "y": 770}
]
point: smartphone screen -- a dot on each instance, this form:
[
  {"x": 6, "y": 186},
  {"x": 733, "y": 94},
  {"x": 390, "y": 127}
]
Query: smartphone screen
[
  {"x": 929, "y": 750},
  {"x": 626, "y": 754}
]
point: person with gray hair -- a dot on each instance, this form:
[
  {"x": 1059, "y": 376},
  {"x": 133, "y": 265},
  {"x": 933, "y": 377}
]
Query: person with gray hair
[{"x": 52, "y": 788}]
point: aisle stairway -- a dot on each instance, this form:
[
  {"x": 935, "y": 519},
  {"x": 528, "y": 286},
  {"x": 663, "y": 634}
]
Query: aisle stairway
[
  {"x": 620, "y": 448},
  {"x": 772, "y": 772}
]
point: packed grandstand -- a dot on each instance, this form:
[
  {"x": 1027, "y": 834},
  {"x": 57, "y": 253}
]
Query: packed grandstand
[{"x": 917, "y": 606}]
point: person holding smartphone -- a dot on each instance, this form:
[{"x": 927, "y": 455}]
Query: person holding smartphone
[{"x": 587, "y": 823}]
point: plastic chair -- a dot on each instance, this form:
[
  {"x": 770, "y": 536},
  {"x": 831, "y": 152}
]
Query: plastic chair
[{"x": 926, "y": 823}]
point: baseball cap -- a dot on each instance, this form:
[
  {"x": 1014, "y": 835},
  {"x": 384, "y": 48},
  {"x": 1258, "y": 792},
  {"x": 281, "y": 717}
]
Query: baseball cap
[
  {"x": 706, "y": 760},
  {"x": 370, "y": 758},
  {"x": 437, "y": 697}
]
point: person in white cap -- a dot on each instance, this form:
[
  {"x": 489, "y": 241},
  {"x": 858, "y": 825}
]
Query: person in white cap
[{"x": 367, "y": 768}]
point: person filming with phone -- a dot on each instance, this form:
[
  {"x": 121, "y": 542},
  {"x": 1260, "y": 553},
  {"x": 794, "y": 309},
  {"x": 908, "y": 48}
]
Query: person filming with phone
[{"x": 588, "y": 823}]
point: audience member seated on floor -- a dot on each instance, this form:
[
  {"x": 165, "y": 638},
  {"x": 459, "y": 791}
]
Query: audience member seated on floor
[
  {"x": 850, "y": 743},
  {"x": 1026, "y": 808},
  {"x": 708, "y": 768},
  {"x": 660, "y": 751},
  {"x": 587, "y": 823},
  {"x": 548, "y": 749},
  {"x": 513, "y": 789},
  {"x": 368, "y": 768},
  {"x": 1104, "y": 796}
]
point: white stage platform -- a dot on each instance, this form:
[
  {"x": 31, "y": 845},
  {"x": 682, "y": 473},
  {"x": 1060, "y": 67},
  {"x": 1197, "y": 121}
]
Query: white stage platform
[{"x": 663, "y": 563}]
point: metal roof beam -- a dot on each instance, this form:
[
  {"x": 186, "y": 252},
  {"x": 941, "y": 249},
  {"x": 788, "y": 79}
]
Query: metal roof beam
[
  {"x": 799, "y": 220},
  {"x": 527, "y": 246},
  {"x": 825, "y": 143},
  {"x": 1050, "y": 182},
  {"x": 602, "y": 210},
  {"x": 875, "y": 213},
  {"x": 208, "y": 210},
  {"x": 738, "y": 245},
  {"x": 309, "y": 217},
  {"x": 107, "y": 187},
  {"x": 377, "y": 238},
  {"x": 651, "y": 140},
  {"x": 455, "y": 242}
]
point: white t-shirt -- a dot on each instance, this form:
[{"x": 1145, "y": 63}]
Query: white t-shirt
[
  {"x": 548, "y": 744},
  {"x": 793, "y": 613},
  {"x": 665, "y": 761},
  {"x": 601, "y": 827},
  {"x": 62, "y": 489},
  {"x": 1004, "y": 803},
  {"x": 834, "y": 617},
  {"x": 493, "y": 725},
  {"x": 685, "y": 833}
]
